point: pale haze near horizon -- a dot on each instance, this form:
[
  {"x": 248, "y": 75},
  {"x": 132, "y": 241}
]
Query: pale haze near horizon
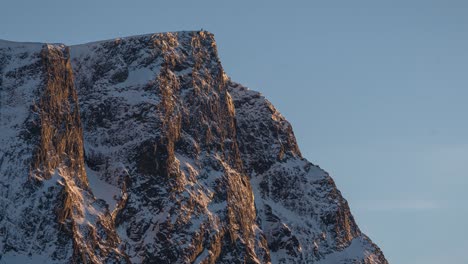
[{"x": 376, "y": 92}]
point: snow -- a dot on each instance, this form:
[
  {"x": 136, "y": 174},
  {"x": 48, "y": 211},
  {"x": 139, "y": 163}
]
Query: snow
[
  {"x": 356, "y": 250},
  {"x": 15, "y": 258},
  {"x": 200, "y": 259},
  {"x": 19, "y": 45},
  {"x": 103, "y": 190},
  {"x": 16, "y": 94},
  {"x": 140, "y": 36},
  {"x": 193, "y": 206},
  {"x": 138, "y": 76}
]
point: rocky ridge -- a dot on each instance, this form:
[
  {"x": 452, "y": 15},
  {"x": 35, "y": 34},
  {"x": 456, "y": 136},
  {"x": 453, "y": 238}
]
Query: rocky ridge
[{"x": 142, "y": 150}]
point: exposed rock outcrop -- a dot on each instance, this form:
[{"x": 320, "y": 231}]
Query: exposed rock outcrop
[{"x": 142, "y": 150}]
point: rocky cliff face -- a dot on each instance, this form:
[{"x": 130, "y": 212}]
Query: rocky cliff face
[{"x": 142, "y": 150}]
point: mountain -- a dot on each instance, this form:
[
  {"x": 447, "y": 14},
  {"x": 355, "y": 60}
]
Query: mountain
[{"x": 142, "y": 150}]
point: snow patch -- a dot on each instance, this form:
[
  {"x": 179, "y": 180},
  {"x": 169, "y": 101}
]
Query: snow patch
[{"x": 103, "y": 190}]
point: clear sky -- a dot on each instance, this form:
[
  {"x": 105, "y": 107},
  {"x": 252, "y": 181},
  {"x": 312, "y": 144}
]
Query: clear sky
[{"x": 377, "y": 92}]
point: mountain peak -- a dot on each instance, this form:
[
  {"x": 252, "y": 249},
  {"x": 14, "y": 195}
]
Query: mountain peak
[
  {"x": 152, "y": 36},
  {"x": 141, "y": 150}
]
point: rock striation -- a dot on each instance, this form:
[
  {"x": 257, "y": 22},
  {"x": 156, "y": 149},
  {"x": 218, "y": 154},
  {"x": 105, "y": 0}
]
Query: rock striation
[{"x": 142, "y": 150}]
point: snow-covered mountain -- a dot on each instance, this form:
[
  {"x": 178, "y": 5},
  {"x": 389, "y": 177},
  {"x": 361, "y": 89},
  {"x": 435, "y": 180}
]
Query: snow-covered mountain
[{"x": 142, "y": 150}]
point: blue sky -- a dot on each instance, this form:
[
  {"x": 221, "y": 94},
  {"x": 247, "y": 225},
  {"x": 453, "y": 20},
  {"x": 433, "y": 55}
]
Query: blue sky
[{"x": 376, "y": 91}]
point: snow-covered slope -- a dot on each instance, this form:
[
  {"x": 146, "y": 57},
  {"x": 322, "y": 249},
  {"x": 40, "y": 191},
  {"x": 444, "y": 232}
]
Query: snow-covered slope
[
  {"x": 299, "y": 209},
  {"x": 142, "y": 150}
]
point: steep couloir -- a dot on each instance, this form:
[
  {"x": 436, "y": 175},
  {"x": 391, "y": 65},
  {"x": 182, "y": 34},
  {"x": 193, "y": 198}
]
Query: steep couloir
[{"x": 142, "y": 150}]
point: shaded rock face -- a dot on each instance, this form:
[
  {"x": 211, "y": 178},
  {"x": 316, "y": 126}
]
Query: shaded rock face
[
  {"x": 142, "y": 150},
  {"x": 299, "y": 209}
]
